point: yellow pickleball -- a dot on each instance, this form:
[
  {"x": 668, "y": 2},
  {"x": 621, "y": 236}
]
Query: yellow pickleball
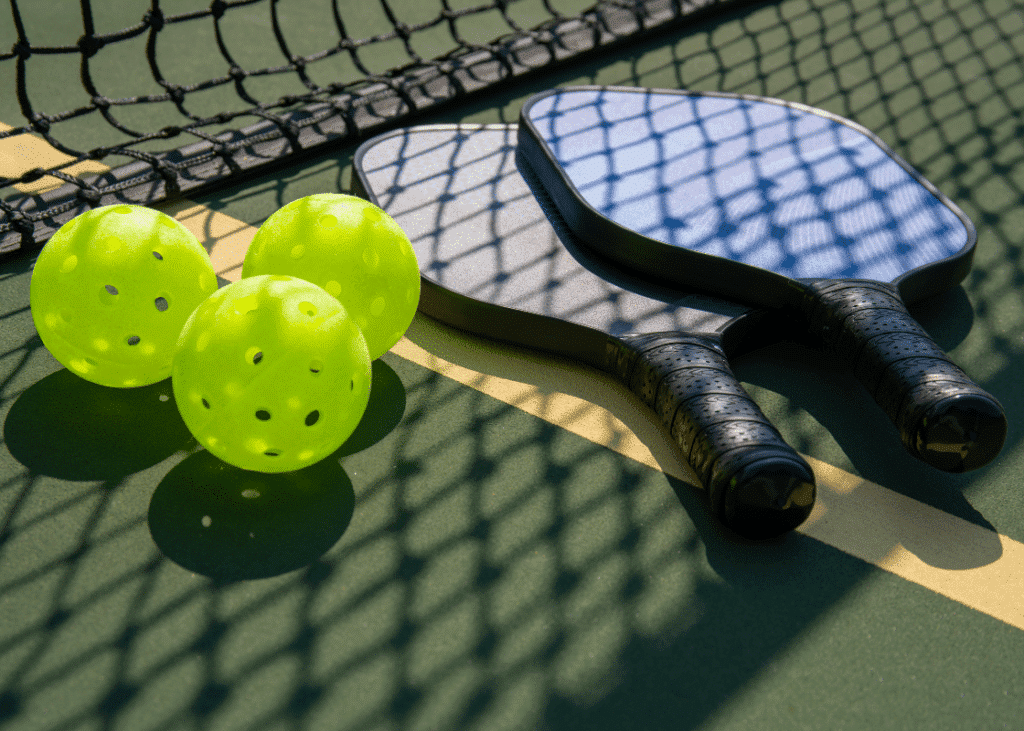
[
  {"x": 353, "y": 250},
  {"x": 112, "y": 289},
  {"x": 271, "y": 374}
]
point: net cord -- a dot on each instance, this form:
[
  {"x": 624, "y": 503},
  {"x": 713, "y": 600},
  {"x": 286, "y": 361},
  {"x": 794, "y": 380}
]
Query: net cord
[{"x": 293, "y": 126}]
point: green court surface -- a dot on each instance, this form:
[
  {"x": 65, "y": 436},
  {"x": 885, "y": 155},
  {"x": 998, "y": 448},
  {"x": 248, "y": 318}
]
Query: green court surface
[{"x": 509, "y": 541}]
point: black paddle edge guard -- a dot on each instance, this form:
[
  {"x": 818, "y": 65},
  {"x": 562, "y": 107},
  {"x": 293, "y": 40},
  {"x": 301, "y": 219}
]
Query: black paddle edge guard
[
  {"x": 625, "y": 247},
  {"x": 286, "y": 136}
]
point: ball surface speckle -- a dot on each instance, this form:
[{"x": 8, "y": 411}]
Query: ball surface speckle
[
  {"x": 271, "y": 374},
  {"x": 354, "y": 251},
  {"x": 112, "y": 289}
]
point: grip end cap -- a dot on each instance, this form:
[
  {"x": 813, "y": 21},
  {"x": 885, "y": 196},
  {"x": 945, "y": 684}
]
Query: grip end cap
[
  {"x": 959, "y": 433},
  {"x": 768, "y": 497}
]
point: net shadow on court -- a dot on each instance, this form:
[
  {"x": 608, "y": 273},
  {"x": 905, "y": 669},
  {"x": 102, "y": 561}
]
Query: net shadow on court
[{"x": 499, "y": 572}]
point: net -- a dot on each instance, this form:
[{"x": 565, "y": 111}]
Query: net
[{"x": 357, "y": 85}]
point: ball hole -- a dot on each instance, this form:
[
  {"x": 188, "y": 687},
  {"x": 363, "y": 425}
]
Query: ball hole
[
  {"x": 352, "y": 385},
  {"x": 161, "y": 304},
  {"x": 110, "y": 288},
  {"x": 254, "y": 355},
  {"x": 133, "y": 340},
  {"x": 312, "y": 418},
  {"x": 272, "y": 453},
  {"x": 263, "y": 415},
  {"x": 316, "y": 366},
  {"x": 307, "y": 308},
  {"x": 158, "y": 256},
  {"x": 328, "y": 221},
  {"x": 206, "y": 404},
  {"x": 124, "y": 210}
]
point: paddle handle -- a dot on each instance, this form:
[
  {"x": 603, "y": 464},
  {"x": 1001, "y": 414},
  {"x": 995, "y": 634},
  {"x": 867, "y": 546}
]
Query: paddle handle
[
  {"x": 757, "y": 484},
  {"x": 944, "y": 418}
]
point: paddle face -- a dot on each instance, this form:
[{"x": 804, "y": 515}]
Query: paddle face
[
  {"x": 780, "y": 189},
  {"x": 491, "y": 260}
]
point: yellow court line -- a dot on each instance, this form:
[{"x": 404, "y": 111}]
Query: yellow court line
[
  {"x": 976, "y": 567},
  {"x": 21, "y": 153},
  {"x": 969, "y": 564}
]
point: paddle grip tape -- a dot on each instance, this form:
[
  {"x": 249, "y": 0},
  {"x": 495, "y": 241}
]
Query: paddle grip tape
[
  {"x": 864, "y": 323},
  {"x": 689, "y": 384}
]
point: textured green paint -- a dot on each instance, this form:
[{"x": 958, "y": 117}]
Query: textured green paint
[{"x": 497, "y": 572}]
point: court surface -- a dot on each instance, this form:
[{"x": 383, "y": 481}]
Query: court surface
[{"x": 510, "y": 541}]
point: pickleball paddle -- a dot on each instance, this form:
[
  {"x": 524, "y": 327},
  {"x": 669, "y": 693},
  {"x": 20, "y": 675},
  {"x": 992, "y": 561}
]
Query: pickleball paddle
[
  {"x": 495, "y": 264},
  {"x": 776, "y": 204}
]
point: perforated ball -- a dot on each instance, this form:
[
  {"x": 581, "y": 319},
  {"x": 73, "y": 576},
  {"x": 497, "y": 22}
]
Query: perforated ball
[
  {"x": 271, "y": 374},
  {"x": 353, "y": 250},
  {"x": 112, "y": 289}
]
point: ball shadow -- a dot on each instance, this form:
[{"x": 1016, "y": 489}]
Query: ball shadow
[
  {"x": 66, "y": 427},
  {"x": 384, "y": 411},
  {"x": 231, "y": 524}
]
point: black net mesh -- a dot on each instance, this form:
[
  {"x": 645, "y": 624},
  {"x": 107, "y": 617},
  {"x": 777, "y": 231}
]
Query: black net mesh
[{"x": 180, "y": 137}]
